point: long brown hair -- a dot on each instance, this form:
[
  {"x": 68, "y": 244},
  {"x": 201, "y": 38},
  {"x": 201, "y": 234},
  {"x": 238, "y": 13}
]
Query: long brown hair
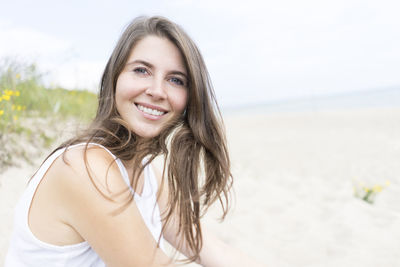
[{"x": 194, "y": 146}]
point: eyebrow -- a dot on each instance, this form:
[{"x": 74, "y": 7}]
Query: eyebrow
[{"x": 149, "y": 65}]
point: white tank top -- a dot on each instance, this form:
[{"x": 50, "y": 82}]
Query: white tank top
[{"x": 27, "y": 250}]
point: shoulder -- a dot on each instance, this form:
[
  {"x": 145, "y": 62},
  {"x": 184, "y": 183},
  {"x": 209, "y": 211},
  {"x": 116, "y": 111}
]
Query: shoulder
[
  {"x": 80, "y": 172},
  {"x": 94, "y": 196},
  {"x": 78, "y": 156}
]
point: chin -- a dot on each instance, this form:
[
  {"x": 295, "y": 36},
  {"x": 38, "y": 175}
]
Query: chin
[{"x": 147, "y": 134}]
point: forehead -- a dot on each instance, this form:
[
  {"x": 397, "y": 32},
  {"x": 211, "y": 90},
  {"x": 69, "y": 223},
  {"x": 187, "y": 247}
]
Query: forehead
[{"x": 158, "y": 51}]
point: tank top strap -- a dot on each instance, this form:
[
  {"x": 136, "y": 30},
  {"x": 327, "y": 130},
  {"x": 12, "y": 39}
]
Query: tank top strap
[
  {"x": 151, "y": 179},
  {"x": 37, "y": 177},
  {"x": 150, "y": 185},
  {"x": 25, "y": 244},
  {"x": 122, "y": 169},
  {"x": 25, "y": 202}
]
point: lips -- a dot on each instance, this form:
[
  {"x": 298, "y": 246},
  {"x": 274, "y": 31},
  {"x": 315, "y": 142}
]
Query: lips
[{"x": 150, "y": 109}]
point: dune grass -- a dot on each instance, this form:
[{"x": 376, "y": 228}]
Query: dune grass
[{"x": 24, "y": 100}]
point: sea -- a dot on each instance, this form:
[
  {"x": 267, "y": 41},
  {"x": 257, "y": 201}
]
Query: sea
[{"x": 365, "y": 99}]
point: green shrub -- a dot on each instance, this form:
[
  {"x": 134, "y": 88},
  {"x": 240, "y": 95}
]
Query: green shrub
[{"x": 23, "y": 97}]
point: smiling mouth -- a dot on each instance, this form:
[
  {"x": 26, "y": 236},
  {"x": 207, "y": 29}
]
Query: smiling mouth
[{"x": 150, "y": 111}]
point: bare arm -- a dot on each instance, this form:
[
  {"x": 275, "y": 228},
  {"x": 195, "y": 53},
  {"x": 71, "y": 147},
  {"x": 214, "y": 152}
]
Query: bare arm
[
  {"x": 214, "y": 252},
  {"x": 120, "y": 240},
  {"x": 217, "y": 253}
]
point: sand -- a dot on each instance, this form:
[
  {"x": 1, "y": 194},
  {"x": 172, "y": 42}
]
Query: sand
[{"x": 294, "y": 177}]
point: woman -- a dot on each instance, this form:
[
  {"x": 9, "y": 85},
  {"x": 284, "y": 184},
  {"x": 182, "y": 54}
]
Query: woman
[{"x": 98, "y": 201}]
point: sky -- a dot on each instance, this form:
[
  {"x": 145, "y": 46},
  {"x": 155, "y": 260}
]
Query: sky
[{"x": 255, "y": 51}]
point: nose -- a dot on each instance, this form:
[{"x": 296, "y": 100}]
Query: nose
[{"x": 157, "y": 90}]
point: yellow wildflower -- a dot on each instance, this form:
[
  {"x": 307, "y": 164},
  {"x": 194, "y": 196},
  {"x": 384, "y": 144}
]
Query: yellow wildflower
[
  {"x": 377, "y": 188},
  {"x": 17, "y": 93},
  {"x": 1, "y": 112},
  {"x": 19, "y": 107},
  {"x": 8, "y": 92},
  {"x": 6, "y": 97}
]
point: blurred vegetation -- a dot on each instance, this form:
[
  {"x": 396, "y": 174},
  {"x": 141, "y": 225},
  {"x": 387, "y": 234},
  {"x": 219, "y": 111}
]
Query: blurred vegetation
[
  {"x": 368, "y": 191},
  {"x": 26, "y": 105}
]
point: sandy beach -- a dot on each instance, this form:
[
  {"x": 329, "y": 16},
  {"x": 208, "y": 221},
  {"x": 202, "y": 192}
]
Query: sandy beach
[{"x": 295, "y": 174}]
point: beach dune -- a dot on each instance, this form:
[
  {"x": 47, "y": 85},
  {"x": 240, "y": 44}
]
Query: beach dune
[{"x": 295, "y": 174}]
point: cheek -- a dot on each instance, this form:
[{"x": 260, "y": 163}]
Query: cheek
[
  {"x": 122, "y": 88},
  {"x": 123, "y": 93},
  {"x": 126, "y": 89},
  {"x": 179, "y": 100},
  {"x": 119, "y": 92}
]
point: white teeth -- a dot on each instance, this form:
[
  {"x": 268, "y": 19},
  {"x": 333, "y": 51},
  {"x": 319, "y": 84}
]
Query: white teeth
[{"x": 150, "y": 111}]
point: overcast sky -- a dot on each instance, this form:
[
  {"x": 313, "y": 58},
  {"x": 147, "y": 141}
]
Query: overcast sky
[{"x": 256, "y": 51}]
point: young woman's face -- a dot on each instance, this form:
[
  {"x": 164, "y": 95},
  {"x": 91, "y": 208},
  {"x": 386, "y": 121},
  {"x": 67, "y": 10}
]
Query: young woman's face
[{"x": 152, "y": 87}]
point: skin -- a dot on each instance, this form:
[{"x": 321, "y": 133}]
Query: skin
[{"x": 152, "y": 80}]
